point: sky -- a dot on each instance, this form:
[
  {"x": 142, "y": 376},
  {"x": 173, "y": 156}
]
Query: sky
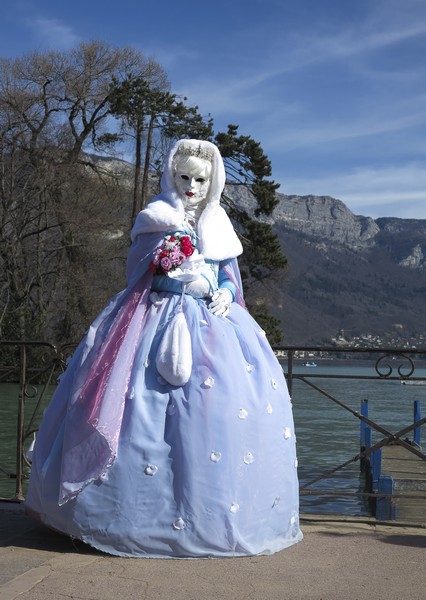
[{"x": 334, "y": 90}]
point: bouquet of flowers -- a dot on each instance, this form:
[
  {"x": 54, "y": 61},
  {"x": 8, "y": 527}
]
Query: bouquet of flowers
[{"x": 173, "y": 251}]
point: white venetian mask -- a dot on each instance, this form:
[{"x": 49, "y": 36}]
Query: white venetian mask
[{"x": 191, "y": 187}]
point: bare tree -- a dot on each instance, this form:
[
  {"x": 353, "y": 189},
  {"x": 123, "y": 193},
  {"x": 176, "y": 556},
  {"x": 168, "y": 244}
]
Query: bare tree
[{"x": 53, "y": 106}]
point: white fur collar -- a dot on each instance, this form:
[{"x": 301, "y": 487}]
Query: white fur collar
[{"x": 218, "y": 240}]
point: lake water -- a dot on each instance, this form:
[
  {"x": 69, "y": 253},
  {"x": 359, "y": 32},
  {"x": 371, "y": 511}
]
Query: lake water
[
  {"x": 327, "y": 435},
  {"x": 8, "y": 429}
]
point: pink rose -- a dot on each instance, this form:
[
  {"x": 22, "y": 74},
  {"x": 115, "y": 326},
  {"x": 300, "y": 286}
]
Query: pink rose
[
  {"x": 166, "y": 263},
  {"x": 175, "y": 255}
]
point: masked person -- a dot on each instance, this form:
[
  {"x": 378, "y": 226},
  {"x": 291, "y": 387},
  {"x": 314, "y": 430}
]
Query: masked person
[{"x": 171, "y": 433}]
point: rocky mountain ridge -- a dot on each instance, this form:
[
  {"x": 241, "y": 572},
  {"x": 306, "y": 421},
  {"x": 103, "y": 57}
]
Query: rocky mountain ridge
[{"x": 346, "y": 272}]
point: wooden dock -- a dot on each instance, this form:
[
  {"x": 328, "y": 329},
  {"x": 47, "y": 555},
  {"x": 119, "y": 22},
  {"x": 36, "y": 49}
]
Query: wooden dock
[
  {"x": 397, "y": 473},
  {"x": 407, "y": 475}
]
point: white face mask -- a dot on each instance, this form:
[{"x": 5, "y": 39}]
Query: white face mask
[{"x": 192, "y": 187}]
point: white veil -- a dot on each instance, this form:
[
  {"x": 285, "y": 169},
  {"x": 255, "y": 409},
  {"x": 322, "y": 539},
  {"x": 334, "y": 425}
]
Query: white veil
[{"x": 218, "y": 240}]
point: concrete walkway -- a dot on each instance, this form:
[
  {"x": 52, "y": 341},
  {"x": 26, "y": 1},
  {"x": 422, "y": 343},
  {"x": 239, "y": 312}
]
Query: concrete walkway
[{"x": 335, "y": 561}]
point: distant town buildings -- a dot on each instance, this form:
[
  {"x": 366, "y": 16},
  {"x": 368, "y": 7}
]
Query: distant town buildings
[
  {"x": 387, "y": 340},
  {"x": 359, "y": 342}
]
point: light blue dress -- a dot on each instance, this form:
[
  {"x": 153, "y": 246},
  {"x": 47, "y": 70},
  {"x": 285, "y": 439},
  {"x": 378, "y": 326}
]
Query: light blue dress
[{"x": 207, "y": 469}]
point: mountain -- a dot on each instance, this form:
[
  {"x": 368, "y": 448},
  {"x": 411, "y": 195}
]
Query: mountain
[{"x": 346, "y": 272}]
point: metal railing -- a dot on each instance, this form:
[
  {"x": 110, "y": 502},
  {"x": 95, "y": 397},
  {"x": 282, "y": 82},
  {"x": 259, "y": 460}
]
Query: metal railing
[
  {"x": 397, "y": 365},
  {"x": 34, "y": 366},
  {"x": 31, "y": 368}
]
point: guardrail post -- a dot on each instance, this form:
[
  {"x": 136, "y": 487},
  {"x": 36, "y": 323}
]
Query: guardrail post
[
  {"x": 20, "y": 423},
  {"x": 376, "y": 466},
  {"x": 290, "y": 371},
  {"x": 365, "y": 437},
  {"x": 417, "y": 416}
]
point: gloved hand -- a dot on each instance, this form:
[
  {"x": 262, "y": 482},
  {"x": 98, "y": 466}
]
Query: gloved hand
[
  {"x": 221, "y": 302},
  {"x": 199, "y": 288}
]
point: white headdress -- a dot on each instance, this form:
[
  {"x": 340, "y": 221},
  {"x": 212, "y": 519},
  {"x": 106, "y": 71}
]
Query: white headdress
[{"x": 218, "y": 240}]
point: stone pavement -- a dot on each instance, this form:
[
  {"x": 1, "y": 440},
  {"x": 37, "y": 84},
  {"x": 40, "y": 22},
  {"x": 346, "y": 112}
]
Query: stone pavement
[{"x": 336, "y": 561}]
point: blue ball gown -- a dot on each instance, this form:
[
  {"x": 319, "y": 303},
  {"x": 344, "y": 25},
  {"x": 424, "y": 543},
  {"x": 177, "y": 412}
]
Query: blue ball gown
[{"x": 136, "y": 466}]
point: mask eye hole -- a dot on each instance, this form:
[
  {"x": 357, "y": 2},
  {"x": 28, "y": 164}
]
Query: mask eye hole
[
  {"x": 184, "y": 177},
  {"x": 200, "y": 180}
]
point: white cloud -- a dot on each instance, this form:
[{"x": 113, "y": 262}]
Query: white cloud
[
  {"x": 398, "y": 191},
  {"x": 296, "y": 51},
  {"x": 232, "y": 97},
  {"x": 380, "y": 31},
  {"x": 54, "y": 33},
  {"x": 169, "y": 56},
  {"x": 233, "y": 90},
  {"x": 368, "y": 124}
]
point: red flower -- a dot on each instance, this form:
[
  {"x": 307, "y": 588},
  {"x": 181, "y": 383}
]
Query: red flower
[{"x": 186, "y": 245}]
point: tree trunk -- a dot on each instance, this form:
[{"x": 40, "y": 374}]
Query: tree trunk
[
  {"x": 147, "y": 162},
  {"x": 138, "y": 162}
]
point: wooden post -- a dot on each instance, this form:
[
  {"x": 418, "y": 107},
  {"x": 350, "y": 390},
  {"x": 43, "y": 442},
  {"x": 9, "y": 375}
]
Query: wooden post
[
  {"x": 385, "y": 507},
  {"x": 290, "y": 371},
  {"x": 417, "y": 416},
  {"x": 376, "y": 465},
  {"x": 365, "y": 436}
]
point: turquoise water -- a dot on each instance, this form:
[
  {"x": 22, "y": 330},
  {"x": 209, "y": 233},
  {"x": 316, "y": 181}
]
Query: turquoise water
[
  {"x": 327, "y": 435},
  {"x": 9, "y": 394}
]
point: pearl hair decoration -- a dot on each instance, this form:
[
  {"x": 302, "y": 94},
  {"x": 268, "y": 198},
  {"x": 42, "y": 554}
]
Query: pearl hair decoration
[{"x": 188, "y": 149}]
